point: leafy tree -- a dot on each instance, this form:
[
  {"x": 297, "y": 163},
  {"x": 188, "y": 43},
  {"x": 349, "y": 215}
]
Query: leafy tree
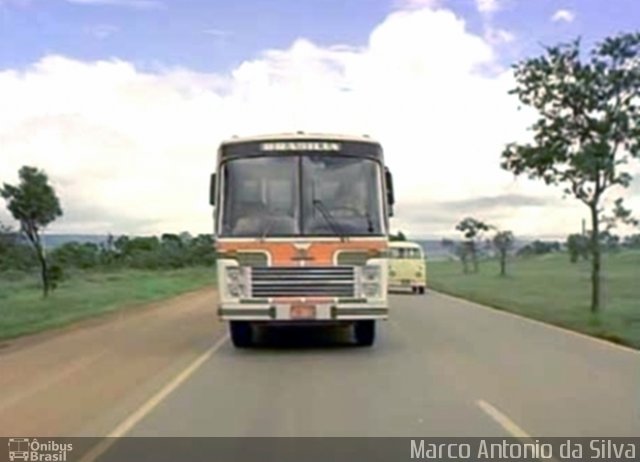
[
  {"x": 202, "y": 250},
  {"x": 472, "y": 230},
  {"x": 170, "y": 251},
  {"x": 588, "y": 126},
  {"x": 7, "y": 238},
  {"x": 578, "y": 246},
  {"x": 34, "y": 204},
  {"x": 56, "y": 275},
  {"x": 619, "y": 214},
  {"x": 171, "y": 240},
  {"x": 609, "y": 241},
  {"x": 503, "y": 242},
  {"x": 14, "y": 254},
  {"x": 539, "y": 247},
  {"x": 120, "y": 244},
  {"x": 107, "y": 253},
  {"x": 173, "y": 251},
  {"x": 80, "y": 255},
  {"x": 398, "y": 237},
  {"x": 632, "y": 241},
  {"x": 447, "y": 243}
]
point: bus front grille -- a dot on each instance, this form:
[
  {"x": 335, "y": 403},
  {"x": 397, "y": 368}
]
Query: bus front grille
[{"x": 302, "y": 281}]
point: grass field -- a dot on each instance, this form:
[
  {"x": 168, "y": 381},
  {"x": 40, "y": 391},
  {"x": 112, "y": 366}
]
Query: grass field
[
  {"x": 86, "y": 294},
  {"x": 551, "y": 289}
]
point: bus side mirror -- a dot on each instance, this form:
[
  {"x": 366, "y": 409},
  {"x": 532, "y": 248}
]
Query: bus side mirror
[
  {"x": 389, "y": 186},
  {"x": 212, "y": 190}
]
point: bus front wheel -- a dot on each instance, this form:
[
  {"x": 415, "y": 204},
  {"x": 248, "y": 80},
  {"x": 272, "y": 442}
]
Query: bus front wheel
[
  {"x": 241, "y": 334},
  {"x": 365, "y": 332}
]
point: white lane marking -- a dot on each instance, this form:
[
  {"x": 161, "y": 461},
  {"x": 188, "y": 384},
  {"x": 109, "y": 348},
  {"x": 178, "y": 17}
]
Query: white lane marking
[
  {"x": 542, "y": 323},
  {"x": 509, "y": 425},
  {"x": 125, "y": 426},
  {"x": 504, "y": 421}
]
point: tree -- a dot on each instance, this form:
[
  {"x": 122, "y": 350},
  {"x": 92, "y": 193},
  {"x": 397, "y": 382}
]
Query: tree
[
  {"x": 7, "y": 239},
  {"x": 34, "y": 204},
  {"x": 538, "y": 247},
  {"x": 107, "y": 252},
  {"x": 80, "y": 255},
  {"x": 588, "y": 126},
  {"x": 632, "y": 241},
  {"x": 447, "y": 243},
  {"x": 503, "y": 241},
  {"x": 14, "y": 254},
  {"x": 578, "y": 246},
  {"x": 202, "y": 250},
  {"x": 398, "y": 237},
  {"x": 471, "y": 229}
]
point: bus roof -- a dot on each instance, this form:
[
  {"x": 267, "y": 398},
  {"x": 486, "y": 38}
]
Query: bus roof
[
  {"x": 405, "y": 245},
  {"x": 299, "y": 136}
]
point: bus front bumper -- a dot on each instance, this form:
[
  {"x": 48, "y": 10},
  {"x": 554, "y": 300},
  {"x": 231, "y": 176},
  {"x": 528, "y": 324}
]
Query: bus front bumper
[{"x": 284, "y": 312}]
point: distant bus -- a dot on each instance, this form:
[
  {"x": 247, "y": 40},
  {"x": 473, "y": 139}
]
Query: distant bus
[
  {"x": 301, "y": 224},
  {"x": 407, "y": 267}
]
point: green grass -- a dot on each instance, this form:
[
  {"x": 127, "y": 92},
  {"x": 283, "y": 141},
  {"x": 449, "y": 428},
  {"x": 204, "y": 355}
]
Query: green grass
[
  {"x": 551, "y": 289},
  {"x": 23, "y": 310}
]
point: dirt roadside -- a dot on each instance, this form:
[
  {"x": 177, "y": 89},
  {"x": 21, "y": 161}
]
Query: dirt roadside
[{"x": 83, "y": 379}]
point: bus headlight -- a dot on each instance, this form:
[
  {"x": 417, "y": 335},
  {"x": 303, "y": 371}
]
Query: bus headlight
[
  {"x": 371, "y": 289},
  {"x": 371, "y": 273},
  {"x": 236, "y": 286},
  {"x": 233, "y": 273},
  {"x": 371, "y": 281}
]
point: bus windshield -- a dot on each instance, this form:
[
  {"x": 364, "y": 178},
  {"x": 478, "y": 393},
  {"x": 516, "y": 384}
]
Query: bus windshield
[{"x": 309, "y": 195}]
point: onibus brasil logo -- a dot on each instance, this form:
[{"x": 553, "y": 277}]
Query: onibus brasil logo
[{"x": 30, "y": 449}]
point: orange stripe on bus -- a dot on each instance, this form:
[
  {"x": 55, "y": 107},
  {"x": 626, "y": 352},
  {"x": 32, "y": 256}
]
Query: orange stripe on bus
[{"x": 317, "y": 253}]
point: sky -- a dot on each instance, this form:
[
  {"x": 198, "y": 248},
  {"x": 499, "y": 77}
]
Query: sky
[{"x": 124, "y": 102}]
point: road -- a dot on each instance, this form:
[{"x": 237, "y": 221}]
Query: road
[{"x": 441, "y": 367}]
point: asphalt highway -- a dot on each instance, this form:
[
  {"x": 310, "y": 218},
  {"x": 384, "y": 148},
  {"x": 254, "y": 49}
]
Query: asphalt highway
[{"x": 440, "y": 367}]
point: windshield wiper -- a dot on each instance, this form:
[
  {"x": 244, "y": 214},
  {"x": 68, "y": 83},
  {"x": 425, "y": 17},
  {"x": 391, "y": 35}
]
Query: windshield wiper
[
  {"x": 335, "y": 227},
  {"x": 369, "y": 222},
  {"x": 266, "y": 228}
]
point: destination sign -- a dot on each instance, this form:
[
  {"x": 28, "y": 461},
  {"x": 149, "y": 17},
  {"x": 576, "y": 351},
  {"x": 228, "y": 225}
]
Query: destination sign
[{"x": 300, "y": 146}]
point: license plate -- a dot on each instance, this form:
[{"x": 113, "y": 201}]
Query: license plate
[{"x": 303, "y": 312}]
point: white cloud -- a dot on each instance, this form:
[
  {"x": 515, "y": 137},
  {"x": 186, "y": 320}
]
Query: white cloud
[
  {"x": 487, "y": 6},
  {"x": 416, "y": 4},
  {"x": 131, "y": 151},
  {"x": 563, "y": 15},
  {"x": 497, "y": 36}
]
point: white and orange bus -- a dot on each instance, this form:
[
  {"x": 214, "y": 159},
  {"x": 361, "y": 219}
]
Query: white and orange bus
[{"x": 301, "y": 224}]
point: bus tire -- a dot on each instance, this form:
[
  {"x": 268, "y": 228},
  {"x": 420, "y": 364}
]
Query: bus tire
[
  {"x": 365, "y": 332},
  {"x": 241, "y": 334}
]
